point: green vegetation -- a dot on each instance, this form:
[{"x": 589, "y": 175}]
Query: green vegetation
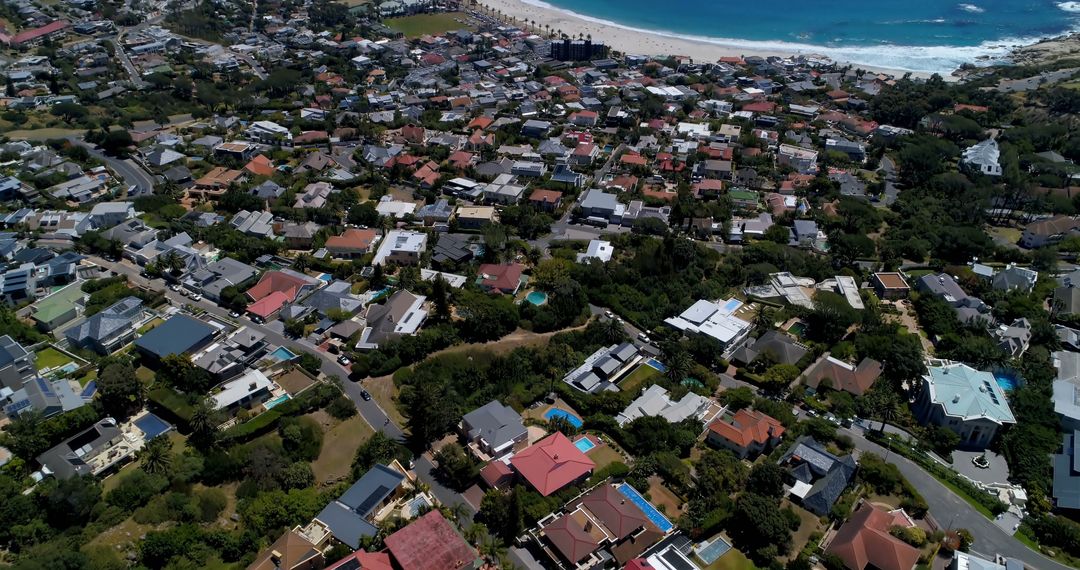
[
  {"x": 49, "y": 357},
  {"x": 428, "y": 24}
]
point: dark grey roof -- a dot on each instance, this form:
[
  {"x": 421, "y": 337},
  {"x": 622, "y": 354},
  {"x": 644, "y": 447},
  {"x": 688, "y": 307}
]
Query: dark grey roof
[
  {"x": 346, "y": 518},
  {"x": 782, "y": 348},
  {"x": 807, "y": 461},
  {"x": 101, "y": 326},
  {"x": 66, "y": 459},
  {"x": 179, "y": 335},
  {"x": 336, "y": 295},
  {"x": 1067, "y": 473},
  {"x": 496, "y": 423}
]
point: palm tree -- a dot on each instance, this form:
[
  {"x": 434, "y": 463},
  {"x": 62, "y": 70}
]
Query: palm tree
[
  {"x": 763, "y": 318},
  {"x": 156, "y": 456},
  {"x": 204, "y": 423},
  {"x": 613, "y": 331},
  {"x": 677, "y": 361}
]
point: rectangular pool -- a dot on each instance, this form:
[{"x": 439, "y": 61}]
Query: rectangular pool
[
  {"x": 584, "y": 444},
  {"x": 271, "y": 403},
  {"x": 715, "y": 549},
  {"x": 283, "y": 354},
  {"x": 655, "y": 516},
  {"x": 152, "y": 426}
]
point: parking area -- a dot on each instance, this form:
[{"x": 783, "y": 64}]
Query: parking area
[{"x": 996, "y": 472}]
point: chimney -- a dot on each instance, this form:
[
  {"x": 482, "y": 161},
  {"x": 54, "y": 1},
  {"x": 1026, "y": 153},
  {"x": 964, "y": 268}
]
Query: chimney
[
  {"x": 275, "y": 557},
  {"x": 956, "y": 399},
  {"x": 588, "y": 526},
  {"x": 251, "y": 386}
]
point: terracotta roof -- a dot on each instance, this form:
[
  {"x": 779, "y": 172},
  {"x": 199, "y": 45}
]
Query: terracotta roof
[
  {"x": 546, "y": 196},
  {"x": 28, "y": 35},
  {"x": 352, "y": 238},
  {"x": 366, "y": 560},
  {"x": 748, "y": 427},
  {"x": 552, "y": 463},
  {"x": 506, "y": 276},
  {"x": 614, "y": 511},
  {"x": 865, "y": 541},
  {"x": 277, "y": 281},
  {"x": 854, "y": 379},
  {"x": 260, "y": 166},
  {"x": 494, "y": 472},
  {"x": 430, "y": 543},
  {"x": 294, "y": 548},
  {"x": 570, "y": 539}
]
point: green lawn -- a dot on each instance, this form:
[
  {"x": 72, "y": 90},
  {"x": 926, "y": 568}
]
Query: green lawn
[
  {"x": 635, "y": 380},
  {"x": 150, "y": 325},
  {"x": 49, "y": 357},
  {"x": 145, "y": 374},
  {"x": 604, "y": 455},
  {"x": 86, "y": 378},
  {"x": 732, "y": 560},
  {"x": 43, "y": 134},
  {"x": 339, "y": 447},
  {"x": 428, "y": 24}
]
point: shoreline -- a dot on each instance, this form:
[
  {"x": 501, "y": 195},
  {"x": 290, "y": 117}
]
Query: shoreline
[{"x": 630, "y": 40}]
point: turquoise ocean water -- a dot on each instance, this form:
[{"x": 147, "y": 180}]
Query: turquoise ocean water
[{"x": 916, "y": 35}]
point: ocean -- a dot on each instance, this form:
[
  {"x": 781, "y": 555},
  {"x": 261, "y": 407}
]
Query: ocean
[{"x": 913, "y": 35}]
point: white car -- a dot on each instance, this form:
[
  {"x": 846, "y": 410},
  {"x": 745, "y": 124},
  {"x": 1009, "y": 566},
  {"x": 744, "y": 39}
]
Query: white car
[
  {"x": 609, "y": 314},
  {"x": 644, "y": 338},
  {"x": 174, "y": 287},
  {"x": 196, "y": 297},
  {"x": 234, "y": 314}
]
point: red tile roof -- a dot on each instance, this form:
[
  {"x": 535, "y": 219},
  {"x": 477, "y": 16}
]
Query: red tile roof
[
  {"x": 545, "y": 196},
  {"x": 430, "y": 543},
  {"x": 617, "y": 514},
  {"x": 505, "y": 277},
  {"x": 352, "y": 238},
  {"x": 260, "y": 166},
  {"x": 552, "y": 463},
  {"x": 367, "y": 561},
  {"x": 495, "y": 472},
  {"x": 760, "y": 107},
  {"x": 865, "y": 540},
  {"x": 29, "y": 35},
  {"x": 311, "y": 136},
  {"x": 570, "y": 539},
  {"x": 748, "y": 427},
  {"x": 277, "y": 281},
  {"x": 269, "y": 304}
]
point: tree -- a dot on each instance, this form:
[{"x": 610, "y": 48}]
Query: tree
[
  {"x": 758, "y": 523},
  {"x": 767, "y": 479},
  {"x": 204, "y": 424},
  {"x": 117, "y": 142},
  {"x": 440, "y": 298},
  {"x": 120, "y": 393},
  {"x": 155, "y": 457},
  {"x": 378, "y": 449},
  {"x": 456, "y": 466}
]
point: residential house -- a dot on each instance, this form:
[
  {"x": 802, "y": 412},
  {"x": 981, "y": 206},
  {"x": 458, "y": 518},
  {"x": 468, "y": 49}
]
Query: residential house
[
  {"x": 601, "y": 529},
  {"x": 299, "y": 236},
  {"x": 839, "y": 375},
  {"x": 257, "y": 224},
  {"x": 1014, "y": 278},
  {"x": 476, "y": 217},
  {"x": 179, "y": 335},
  {"x": 109, "y": 329},
  {"x": 1049, "y": 231},
  {"x": 438, "y": 212},
  {"x": 746, "y": 433},
  {"x": 801, "y": 159},
  {"x": 716, "y": 320},
  {"x": 602, "y": 207},
  {"x": 314, "y": 195},
  {"x": 292, "y": 551},
  {"x": 400, "y": 315},
  {"x": 598, "y": 249},
  {"x": 215, "y": 182},
  {"x": 968, "y": 309},
  {"x": 226, "y": 359},
  {"x": 430, "y": 543},
  {"x": 456, "y": 248},
  {"x": 109, "y": 214},
  {"x": 17, "y": 365},
  {"x": 552, "y": 464},
  {"x": 1013, "y": 339},
  {"x": 215, "y": 277},
  {"x": 275, "y": 289},
  {"x": 890, "y": 286},
  {"x": 964, "y": 400},
  {"x": 1066, "y": 389},
  {"x": 353, "y": 243},
  {"x": 815, "y": 477},
  {"x": 58, "y": 308},
  {"x": 602, "y": 368},
  {"x": 494, "y": 430},
  {"x": 247, "y": 390},
  {"x": 402, "y": 247},
  {"x": 866, "y": 541},
  {"x": 778, "y": 347},
  {"x": 545, "y": 200},
  {"x": 1066, "y": 490},
  {"x": 655, "y": 401},
  {"x": 983, "y": 157},
  {"x": 349, "y": 517},
  {"x": 336, "y": 296},
  {"x": 504, "y": 278}
]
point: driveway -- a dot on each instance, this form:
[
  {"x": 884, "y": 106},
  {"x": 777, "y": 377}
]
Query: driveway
[{"x": 953, "y": 512}]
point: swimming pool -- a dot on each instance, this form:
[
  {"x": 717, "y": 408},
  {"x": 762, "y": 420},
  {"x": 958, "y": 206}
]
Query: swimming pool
[
  {"x": 283, "y": 354},
  {"x": 326, "y": 277},
  {"x": 715, "y": 549},
  {"x": 646, "y": 507},
  {"x": 584, "y": 444},
  {"x": 536, "y": 297},
  {"x": 1007, "y": 383},
  {"x": 271, "y": 403},
  {"x": 798, "y": 329},
  {"x": 656, "y": 364},
  {"x": 561, "y": 413},
  {"x": 152, "y": 426}
]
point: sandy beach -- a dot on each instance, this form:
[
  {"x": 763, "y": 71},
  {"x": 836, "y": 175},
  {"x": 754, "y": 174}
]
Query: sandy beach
[{"x": 647, "y": 43}]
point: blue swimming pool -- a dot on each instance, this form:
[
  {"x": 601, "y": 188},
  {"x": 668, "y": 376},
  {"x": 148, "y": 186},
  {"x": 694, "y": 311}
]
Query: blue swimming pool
[
  {"x": 271, "y": 403},
  {"x": 561, "y": 413},
  {"x": 283, "y": 354},
  {"x": 536, "y": 297},
  {"x": 715, "y": 549},
  {"x": 152, "y": 426},
  {"x": 646, "y": 507},
  {"x": 656, "y": 364},
  {"x": 1007, "y": 382},
  {"x": 584, "y": 444},
  {"x": 326, "y": 277}
]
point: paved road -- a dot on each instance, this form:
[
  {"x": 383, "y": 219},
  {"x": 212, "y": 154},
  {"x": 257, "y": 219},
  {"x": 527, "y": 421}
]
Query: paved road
[
  {"x": 953, "y": 512},
  {"x": 369, "y": 409},
  {"x": 128, "y": 169}
]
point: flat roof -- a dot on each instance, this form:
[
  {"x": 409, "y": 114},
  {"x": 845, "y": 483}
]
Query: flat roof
[{"x": 178, "y": 335}]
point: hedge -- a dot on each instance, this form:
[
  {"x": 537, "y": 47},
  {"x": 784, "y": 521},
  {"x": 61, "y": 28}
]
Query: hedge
[{"x": 307, "y": 401}]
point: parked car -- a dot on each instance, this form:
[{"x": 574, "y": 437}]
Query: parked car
[
  {"x": 643, "y": 338},
  {"x": 344, "y": 360},
  {"x": 609, "y": 314},
  {"x": 175, "y": 287},
  {"x": 365, "y": 395},
  {"x": 196, "y": 297},
  {"x": 234, "y": 314}
]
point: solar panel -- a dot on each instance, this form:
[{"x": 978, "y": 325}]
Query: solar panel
[
  {"x": 45, "y": 387},
  {"x": 372, "y": 500}
]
